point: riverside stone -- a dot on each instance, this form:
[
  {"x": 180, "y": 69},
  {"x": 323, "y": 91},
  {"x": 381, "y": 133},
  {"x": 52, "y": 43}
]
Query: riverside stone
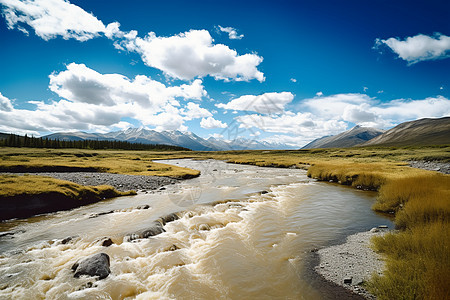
[{"x": 94, "y": 265}]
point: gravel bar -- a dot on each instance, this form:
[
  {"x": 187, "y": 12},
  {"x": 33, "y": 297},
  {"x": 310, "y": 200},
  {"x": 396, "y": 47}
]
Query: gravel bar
[
  {"x": 352, "y": 263},
  {"x": 432, "y": 166},
  {"x": 138, "y": 183}
]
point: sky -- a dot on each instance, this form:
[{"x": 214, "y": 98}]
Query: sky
[{"x": 277, "y": 71}]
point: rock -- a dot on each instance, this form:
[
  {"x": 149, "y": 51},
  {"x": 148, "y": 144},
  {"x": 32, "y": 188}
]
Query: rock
[
  {"x": 373, "y": 230},
  {"x": 264, "y": 192},
  {"x": 143, "y": 206},
  {"x": 169, "y": 218},
  {"x": 173, "y": 248},
  {"x": 107, "y": 242},
  {"x": 152, "y": 231},
  {"x": 95, "y": 265},
  {"x": 156, "y": 229},
  {"x": 204, "y": 227},
  {"x": 67, "y": 240},
  {"x": 347, "y": 280}
]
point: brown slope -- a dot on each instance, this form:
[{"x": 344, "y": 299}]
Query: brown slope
[{"x": 419, "y": 132}]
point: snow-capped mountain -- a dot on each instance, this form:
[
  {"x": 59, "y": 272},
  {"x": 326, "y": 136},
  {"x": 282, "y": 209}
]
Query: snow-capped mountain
[{"x": 173, "y": 137}]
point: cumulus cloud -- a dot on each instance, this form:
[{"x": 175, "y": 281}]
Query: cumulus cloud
[
  {"x": 5, "y": 103},
  {"x": 364, "y": 110},
  {"x": 301, "y": 124},
  {"x": 99, "y": 102},
  {"x": 193, "y": 54},
  {"x": 194, "y": 111},
  {"x": 293, "y": 80},
  {"x": 211, "y": 123},
  {"x": 266, "y": 103},
  {"x": 82, "y": 84},
  {"x": 52, "y": 18},
  {"x": 327, "y": 115},
  {"x": 232, "y": 33},
  {"x": 418, "y": 48}
]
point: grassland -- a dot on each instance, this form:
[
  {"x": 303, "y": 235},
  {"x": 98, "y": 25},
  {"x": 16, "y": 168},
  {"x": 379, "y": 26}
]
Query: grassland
[{"x": 418, "y": 256}]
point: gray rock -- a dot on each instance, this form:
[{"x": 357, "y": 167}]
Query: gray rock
[
  {"x": 169, "y": 218},
  {"x": 95, "y": 265}
]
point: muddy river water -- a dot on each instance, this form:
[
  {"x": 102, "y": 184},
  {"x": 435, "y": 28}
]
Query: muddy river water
[{"x": 244, "y": 232}]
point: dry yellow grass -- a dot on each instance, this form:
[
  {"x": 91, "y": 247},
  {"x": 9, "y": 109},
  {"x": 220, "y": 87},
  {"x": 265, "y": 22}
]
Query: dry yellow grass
[
  {"x": 12, "y": 185},
  {"x": 417, "y": 263},
  {"x": 122, "y": 162}
]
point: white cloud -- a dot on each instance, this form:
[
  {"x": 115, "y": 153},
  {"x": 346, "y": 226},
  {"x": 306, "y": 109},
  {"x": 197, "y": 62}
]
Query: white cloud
[
  {"x": 232, "y": 33},
  {"x": 319, "y": 94},
  {"x": 98, "y": 102},
  {"x": 293, "y": 80},
  {"x": 320, "y": 116},
  {"x": 52, "y": 18},
  {"x": 192, "y": 54},
  {"x": 418, "y": 48},
  {"x": 211, "y": 123},
  {"x": 299, "y": 124},
  {"x": 82, "y": 84},
  {"x": 194, "y": 111},
  {"x": 5, "y": 103},
  {"x": 216, "y": 136},
  {"x": 332, "y": 107},
  {"x": 266, "y": 103}
]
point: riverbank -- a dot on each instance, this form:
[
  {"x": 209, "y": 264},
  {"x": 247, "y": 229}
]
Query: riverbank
[
  {"x": 120, "y": 182},
  {"x": 352, "y": 263}
]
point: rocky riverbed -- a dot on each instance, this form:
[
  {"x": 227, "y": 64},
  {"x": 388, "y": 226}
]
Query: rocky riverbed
[
  {"x": 138, "y": 183},
  {"x": 352, "y": 263}
]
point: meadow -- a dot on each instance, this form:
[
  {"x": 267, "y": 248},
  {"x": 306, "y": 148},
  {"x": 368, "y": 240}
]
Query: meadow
[{"x": 417, "y": 255}]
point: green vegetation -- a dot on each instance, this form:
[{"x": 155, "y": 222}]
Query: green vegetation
[{"x": 13, "y": 140}]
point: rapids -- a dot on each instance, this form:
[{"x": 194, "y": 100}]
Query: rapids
[{"x": 244, "y": 232}]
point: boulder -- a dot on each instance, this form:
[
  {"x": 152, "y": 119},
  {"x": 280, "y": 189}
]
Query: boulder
[
  {"x": 94, "y": 265},
  {"x": 169, "y": 218},
  {"x": 155, "y": 229}
]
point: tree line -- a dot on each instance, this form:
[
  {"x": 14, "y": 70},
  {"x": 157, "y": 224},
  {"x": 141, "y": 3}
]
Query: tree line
[{"x": 13, "y": 140}]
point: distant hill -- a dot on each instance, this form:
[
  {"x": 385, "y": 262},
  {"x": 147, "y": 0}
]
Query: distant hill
[
  {"x": 355, "y": 136},
  {"x": 419, "y": 132},
  {"x": 172, "y": 137}
]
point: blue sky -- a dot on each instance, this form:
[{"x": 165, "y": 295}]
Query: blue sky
[{"x": 287, "y": 71}]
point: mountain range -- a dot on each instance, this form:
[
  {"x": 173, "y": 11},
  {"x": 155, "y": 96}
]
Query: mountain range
[
  {"x": 177, "y": 138},
  {"x": 355, "y": 136},
  {"x": 415, "y": 133}
]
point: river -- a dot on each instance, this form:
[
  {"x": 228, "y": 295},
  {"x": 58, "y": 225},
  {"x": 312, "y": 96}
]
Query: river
[{"x": 244, "y": 233}]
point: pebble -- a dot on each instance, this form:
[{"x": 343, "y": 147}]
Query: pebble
[
  {"x": 432, "y": 166},
  {"x": 353, "y": 262},
  {"x": 120, "y": 181}
]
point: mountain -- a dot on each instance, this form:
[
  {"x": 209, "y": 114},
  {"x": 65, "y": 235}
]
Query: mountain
[
  {"x": 419, "y": 132},
  {"x": 174, "y": 137},
  {"x": 355, "y": 136}
]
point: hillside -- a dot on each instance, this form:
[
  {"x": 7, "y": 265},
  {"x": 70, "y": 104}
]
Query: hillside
[
  {"x": 418, "y": 132},
  {"x": 355, "y": 136}
]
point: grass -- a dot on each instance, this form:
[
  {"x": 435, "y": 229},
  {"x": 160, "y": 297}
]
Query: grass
[
  {"x": 12, "y": 185},
  {"x": 417, "y": 263},
  {"x": 121, "y": 162}
]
